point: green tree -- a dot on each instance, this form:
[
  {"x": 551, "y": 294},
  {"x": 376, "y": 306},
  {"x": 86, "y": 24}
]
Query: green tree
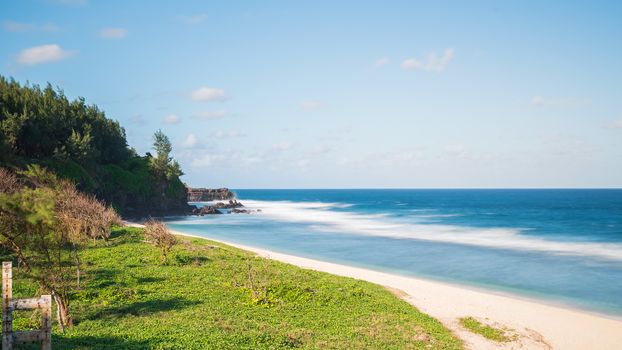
[
  {"x": 46, "y": 224},
  {"x": 78, "y": 142},
  {"x": 163, "y": 148}
]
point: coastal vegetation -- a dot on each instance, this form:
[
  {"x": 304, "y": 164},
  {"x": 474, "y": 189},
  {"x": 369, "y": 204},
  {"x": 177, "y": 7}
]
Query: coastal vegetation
[
  {"x": 488, "y": 332},
  {"x": 202, "y": 298},
  {"x": 66, "y": 172},
  {"x": 79, "y": 143},
  {"x": 45, "y": 224}
]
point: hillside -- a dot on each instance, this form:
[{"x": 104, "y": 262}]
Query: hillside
[{"x": 78, "y": 142}]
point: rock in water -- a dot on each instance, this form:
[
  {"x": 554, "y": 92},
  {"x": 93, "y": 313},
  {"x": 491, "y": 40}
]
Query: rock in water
[
  {"x": 206, "y": 210},
  {"x": 232, "y": 204},
  {"x": 209, "y": 194}
]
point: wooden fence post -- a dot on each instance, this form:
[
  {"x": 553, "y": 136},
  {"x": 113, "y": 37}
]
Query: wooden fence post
[
  {"x": 43, "y": 335},
  {"x": 46, "y": 323},
  {"x": 7, "y": 295}
]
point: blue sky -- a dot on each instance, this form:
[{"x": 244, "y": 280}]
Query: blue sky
[{"x": 292, "y": 94}]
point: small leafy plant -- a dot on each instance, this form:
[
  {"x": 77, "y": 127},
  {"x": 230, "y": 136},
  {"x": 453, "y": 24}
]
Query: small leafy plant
[{"x": 488, "y": 332}]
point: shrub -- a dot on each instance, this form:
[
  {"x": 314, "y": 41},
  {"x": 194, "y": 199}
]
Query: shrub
[
  {"x": 158, "y": 234},
  {"x": 46, "y": 224},
  {"x": 8, "y": 181}
]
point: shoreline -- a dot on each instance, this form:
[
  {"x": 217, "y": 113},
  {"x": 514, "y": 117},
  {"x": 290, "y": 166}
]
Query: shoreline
[{"x": 537, "y": 325}]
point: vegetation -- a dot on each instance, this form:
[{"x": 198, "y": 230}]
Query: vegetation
[
  {"x": 78, "y": 143},
  {"x": 45, "y": 223},
  {"x": 202, "y": 299},
  {"x": 158, "y": 234},
  {"x": 488, "y": 332},
  {"x": 61, "y": 160}
]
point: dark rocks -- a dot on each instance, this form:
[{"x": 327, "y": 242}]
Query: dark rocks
[
  {"x": 209, "y": 194},
  {"x": 232, "y": 204},
  {"x": 206, "y": 210},
  {"x": 243, "y": 211}
]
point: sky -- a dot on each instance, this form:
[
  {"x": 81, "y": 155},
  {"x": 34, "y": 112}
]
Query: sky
[{"x": 348, "y": 94}]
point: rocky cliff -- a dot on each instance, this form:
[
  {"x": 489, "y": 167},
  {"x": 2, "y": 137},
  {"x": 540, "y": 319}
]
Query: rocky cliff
[{"x": 209, "y": 194}]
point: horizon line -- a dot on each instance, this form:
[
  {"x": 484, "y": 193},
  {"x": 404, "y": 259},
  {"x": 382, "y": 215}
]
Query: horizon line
[{"x": 420, "y": 188}]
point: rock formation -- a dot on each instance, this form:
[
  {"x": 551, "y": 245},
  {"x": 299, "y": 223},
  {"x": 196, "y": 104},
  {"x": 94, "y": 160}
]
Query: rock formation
[{"x": 209, "y": 194}]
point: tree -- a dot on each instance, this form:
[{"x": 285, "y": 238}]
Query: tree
[
  {"x": 45, "y": 222},
  {"x": 78, "y": 142},
  {"x": 163, "y": 148}
]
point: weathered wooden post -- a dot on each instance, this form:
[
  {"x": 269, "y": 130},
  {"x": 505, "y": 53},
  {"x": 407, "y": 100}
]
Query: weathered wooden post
[
  {"x": 46, "y": 323},
  {"x": 44, "y": 335},
  {"x": 7, "y": 295}
]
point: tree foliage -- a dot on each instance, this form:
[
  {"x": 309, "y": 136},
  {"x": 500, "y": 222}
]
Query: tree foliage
[
  {"x": 78, "y": 142},
  {"x": 44, "y": 222}
]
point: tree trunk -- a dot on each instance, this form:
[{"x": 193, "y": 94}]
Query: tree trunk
[
  {"x": 78, "y": 271},
  {"x": 62, "y": 313}
]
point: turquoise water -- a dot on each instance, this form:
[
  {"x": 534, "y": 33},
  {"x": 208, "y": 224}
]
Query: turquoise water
[{"x": 557, "y": 245}]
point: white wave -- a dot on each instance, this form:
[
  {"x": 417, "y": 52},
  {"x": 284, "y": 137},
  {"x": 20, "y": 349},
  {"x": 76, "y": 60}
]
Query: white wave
[
  {"x": 433, "y": 216},
  {"x": 321, "y": 218}
]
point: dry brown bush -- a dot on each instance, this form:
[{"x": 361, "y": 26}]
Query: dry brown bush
[
  {"x": 158, "y": 234},
  {"x": 83, "y": 216},
  {"x": 8, "y": 181}
]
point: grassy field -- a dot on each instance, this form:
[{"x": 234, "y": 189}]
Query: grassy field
[{"x": 203, "y": 298}]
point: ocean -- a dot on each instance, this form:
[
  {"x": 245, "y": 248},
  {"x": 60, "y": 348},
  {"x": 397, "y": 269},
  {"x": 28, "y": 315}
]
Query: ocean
[{"x": 562, "y": 246}]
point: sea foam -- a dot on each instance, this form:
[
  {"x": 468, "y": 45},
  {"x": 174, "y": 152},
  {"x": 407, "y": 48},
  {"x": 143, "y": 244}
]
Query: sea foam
[{"x": 321, "y": 217}]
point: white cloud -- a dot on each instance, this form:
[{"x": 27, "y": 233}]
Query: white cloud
[
  {"x": 194, "y": 19},
  {"x": 190, "y": 142},
  {"x": 311, "y": 105},
  {"x": 236, "y": 133},
  {"x": 381, "y": 62},
  {"x": 411, "y": 64},
  {"x": 209, "y": 94},
  {"x": 43, "y": 54},
  {"x": 282, "y": 146},
  {"x": 138, "y": 119},
  {"x": 616, "y": 124},
  {"x": 209, "y": 115},
  {"x": 564, "y": 102},
  {"x": 455, "y": 150},
  {"x": 11, "y": 26},
  {"x": 537, "y": 101},
  {"x": 433, "y": 62},
  {"x": 221, "y": 134},
  {"x": 303, "y": 164},
  {"x": 113, "y": 33},
  {"x": 567, "y": 145},
  {"x": 50, "y": 27},
  {"x": 206, "y": 160},
  {"x": 172, "y": 119},
  {"x": 320, "y": 149}
]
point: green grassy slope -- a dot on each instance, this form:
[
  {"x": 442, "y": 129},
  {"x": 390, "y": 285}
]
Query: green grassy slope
[{"x": 201, "y": 299}]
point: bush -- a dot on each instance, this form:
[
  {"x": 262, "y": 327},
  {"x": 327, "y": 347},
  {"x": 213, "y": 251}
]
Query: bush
[
  {"x": 157, "y": 234},
  {"x": 45, "y": 225},
  {"x": 8, "y": 182}
]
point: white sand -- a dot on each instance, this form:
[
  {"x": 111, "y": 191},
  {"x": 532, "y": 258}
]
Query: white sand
[{"x": 537, "y": 326}]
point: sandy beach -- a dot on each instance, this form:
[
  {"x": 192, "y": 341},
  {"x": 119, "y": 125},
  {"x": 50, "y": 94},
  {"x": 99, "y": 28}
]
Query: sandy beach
[{"x": 536, "y": 325}]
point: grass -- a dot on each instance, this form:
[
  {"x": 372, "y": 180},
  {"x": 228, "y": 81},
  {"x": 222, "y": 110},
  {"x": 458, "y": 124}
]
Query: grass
[
  {"x": 488, "y": 332},
  {"x": 202, "y": 299}
]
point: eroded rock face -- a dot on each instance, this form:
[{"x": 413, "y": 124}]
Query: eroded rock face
[
  {"x": 206, "y": 210},
  {"x": 209, "y": 194},
  {"x": 232, "y": 204}
]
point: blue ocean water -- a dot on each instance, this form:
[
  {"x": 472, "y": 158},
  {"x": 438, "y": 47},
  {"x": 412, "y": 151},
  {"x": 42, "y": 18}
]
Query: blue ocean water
[{"x": 559, "y": 245}]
